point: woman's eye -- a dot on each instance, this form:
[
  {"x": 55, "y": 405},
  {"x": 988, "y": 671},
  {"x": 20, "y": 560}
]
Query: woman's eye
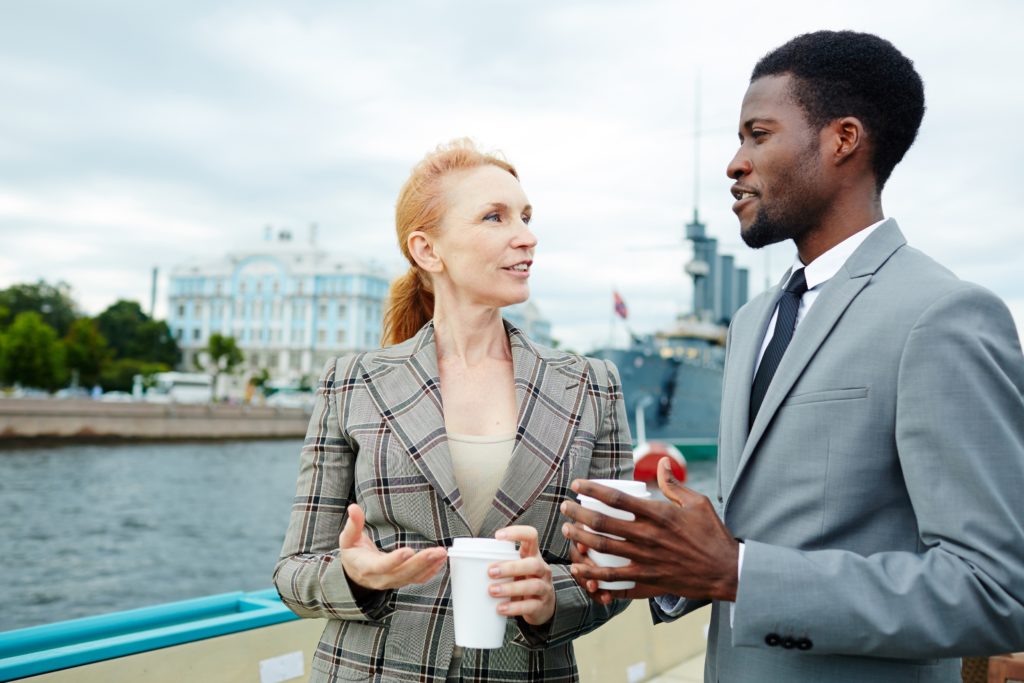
[
  {"x": 493, "y": 216},
  {"x": 526, "y": 218}
]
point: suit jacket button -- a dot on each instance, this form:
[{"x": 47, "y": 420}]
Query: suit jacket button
[
  {"x": 788, "y": 643},
  {"x": 804, "y": 644},
  {"x": 772, "y": 639}
]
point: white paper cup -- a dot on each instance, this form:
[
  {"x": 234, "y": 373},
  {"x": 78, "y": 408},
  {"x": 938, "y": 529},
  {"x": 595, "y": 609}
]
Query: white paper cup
[
  {"x": 633, "y": 488},
  {"x": 477, "y": 622}
]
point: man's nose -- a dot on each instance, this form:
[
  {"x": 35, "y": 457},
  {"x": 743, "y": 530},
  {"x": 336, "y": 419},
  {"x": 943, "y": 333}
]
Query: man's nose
[{"x": 739, "y": 166}]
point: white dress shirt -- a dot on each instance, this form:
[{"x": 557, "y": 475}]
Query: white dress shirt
[{"x": 817, "y": 273}]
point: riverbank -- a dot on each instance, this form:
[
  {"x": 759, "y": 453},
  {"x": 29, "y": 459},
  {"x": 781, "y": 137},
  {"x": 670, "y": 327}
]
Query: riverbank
[{"x": 27, "y": 420}]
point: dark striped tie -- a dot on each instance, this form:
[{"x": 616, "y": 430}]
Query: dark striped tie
[{"x": 789, "y": 304}]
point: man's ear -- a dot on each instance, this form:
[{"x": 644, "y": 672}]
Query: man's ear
[
  {"x": 847, "y": 139},
  {"x": 424, "y": 252}
]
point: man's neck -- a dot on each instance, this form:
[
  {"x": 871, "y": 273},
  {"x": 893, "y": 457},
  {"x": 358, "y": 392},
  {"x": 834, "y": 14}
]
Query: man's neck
[{"x": 839, "y": 225}]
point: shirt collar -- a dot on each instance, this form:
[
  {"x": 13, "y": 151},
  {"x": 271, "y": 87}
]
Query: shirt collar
[{"x": 823, "y": 268}]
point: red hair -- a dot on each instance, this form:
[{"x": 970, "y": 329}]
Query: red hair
[{"x": 420, "y": 207}]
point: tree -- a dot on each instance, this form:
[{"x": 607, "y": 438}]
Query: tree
[
  {"x": 224, "y": 356},
  {"x": 133, "y": 334},
  {"x": 33, "y": 354},
  {"x": 52, "y": 302},
  {"x": 86, "y": 351},
  {"x": 119, "y": 375}
]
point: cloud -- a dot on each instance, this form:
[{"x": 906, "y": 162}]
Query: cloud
[{"x": 140, "y": 136}]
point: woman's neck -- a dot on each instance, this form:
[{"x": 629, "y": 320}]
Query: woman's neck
[{"x": 469, "y": 336}]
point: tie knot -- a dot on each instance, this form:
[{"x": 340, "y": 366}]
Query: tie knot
[{"x": 797, "y": 283}]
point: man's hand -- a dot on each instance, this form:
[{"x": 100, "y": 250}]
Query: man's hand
[{"x": 679, "y": 547}]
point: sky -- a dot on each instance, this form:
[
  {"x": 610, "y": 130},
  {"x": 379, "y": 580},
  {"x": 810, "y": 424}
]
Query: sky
[{"x": 143, "y": 134}]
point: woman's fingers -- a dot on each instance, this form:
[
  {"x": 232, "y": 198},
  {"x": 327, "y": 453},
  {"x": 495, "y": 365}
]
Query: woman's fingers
[
  {"x": 531, "y": 566},
  {"x": 525, "y": 535},
  {"x": 353, "y": 529},
  {"x": 520, "y": 608},
  {"x": 519, "y": 589}
]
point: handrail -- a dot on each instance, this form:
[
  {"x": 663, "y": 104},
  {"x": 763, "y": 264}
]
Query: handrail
[{"x": 41, "y": 649}]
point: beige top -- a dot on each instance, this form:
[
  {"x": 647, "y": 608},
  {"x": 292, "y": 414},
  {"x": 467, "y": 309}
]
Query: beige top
[{"x": 480, "y": 463}]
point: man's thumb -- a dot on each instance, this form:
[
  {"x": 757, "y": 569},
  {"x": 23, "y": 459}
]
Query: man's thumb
[
  {"x": 668, "y": 483},
  {"x": 353, "y": 527}
]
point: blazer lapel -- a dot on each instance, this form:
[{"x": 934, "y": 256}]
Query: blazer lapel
[
  {"x": 405, "y": 386},
  {"x": 836, "y": 295},
  {"x": 550, "y": 390}
]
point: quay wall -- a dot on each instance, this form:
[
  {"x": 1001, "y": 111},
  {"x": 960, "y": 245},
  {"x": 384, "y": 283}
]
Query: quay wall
[{"x": 57, "y": 419}]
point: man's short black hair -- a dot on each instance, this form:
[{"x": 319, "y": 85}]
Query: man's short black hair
[{"x": 844, "y": 73}]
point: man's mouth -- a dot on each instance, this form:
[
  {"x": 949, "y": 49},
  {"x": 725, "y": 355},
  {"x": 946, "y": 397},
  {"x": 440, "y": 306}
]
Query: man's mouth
[{"x": 740, "y": 193}]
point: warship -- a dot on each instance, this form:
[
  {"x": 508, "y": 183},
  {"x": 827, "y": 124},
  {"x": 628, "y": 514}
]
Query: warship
[{"x": 672, "y": 379}]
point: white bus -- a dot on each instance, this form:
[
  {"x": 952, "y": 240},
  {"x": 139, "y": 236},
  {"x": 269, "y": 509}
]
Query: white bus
[{"x": 180, "y": 387}]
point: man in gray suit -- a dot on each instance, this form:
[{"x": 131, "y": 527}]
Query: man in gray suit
[{"x": 870, "y": 522}]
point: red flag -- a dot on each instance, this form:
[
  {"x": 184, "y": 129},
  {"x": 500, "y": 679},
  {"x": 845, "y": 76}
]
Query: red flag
[{"x": 620, "y": 306}]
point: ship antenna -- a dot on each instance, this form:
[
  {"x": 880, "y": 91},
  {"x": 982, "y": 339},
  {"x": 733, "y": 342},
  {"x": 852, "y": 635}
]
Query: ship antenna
[{"x": 696, "y": 147}]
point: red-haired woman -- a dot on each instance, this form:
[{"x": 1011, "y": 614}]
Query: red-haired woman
[{"x": 460, "y": 426}]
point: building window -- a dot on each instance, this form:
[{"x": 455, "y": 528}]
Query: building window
[
  {"x": 241, "y": 286},
  {"x": 342, "y": 310},
  {"x": 259, "y": 286},
  {"x": 321, "y": 336},
  {"x": 341, "y": 337},
  {"x": 322, "y": 313},
  {"x": 181, "y": 310},
  {"x": 199, "y": 309},
  {"x": 195, "y": 334},
  {"x": 277, "y": 286},
  {"x": 298, "y": 287},
  {"x": 178, "y": 334}
]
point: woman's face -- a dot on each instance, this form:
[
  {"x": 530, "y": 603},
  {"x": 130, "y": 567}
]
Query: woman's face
[{"x": 484, "y": 243}]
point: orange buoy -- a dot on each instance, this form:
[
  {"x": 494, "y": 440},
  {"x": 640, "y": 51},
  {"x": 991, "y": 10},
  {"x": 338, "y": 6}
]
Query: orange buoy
[{"x": 646, "y": 457}]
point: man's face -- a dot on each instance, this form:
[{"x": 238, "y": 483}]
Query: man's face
[{"x": 780, "y": 189}]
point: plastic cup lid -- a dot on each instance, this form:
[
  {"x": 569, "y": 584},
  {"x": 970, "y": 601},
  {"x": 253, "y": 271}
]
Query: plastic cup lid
[
  {"x": 633, "y": 488},
  {"x": 489, "y": 547}
]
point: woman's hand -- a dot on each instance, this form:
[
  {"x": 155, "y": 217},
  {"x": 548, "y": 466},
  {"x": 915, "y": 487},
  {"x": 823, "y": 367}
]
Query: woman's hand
[
  {"x": 531, "y": 590},
  {"x": 367, "y": 566}
]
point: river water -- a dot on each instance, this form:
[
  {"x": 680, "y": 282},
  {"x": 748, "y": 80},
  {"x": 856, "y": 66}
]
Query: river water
[{"x": 94, "y": 529}]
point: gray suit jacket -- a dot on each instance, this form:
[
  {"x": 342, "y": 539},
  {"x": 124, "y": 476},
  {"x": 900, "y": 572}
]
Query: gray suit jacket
[
  {"x": 377, "y": 437},
  {"x": 880, "y": 490}
]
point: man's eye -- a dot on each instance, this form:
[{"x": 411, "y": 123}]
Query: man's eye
[{"x": 758, "y": 134}]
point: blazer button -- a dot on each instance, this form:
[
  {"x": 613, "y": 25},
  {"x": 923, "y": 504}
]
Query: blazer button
[
  {"x": 788, "y": 643},
  {"x": 804, "y": 644},
  {"x": 772, "y": 639}
]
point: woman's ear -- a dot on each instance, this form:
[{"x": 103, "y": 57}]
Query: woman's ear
[{"x": 424, "y": 252}]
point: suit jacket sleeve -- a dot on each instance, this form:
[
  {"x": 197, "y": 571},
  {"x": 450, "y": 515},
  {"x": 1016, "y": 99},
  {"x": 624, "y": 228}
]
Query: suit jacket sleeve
[
  {"x": 659, "y": 615},
  {"x": 612, "y": 458},
  {"x": 309, "y": 576},
  {"x": 960, "y": 442}
]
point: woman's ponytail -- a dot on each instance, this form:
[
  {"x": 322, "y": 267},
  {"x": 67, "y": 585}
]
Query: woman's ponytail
[{"x": 410, "y": 307}]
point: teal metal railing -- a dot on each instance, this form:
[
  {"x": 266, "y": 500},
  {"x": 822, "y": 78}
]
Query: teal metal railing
[{"x": 41, "y": 649}]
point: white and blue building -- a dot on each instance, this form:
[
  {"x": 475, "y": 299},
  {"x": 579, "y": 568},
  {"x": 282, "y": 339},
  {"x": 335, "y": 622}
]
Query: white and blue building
[{"x": 290, "y": 307}]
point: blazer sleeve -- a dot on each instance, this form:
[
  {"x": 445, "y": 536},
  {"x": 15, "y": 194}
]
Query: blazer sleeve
[
  {"x": 960, "y": 442},
  {"x": 612, "y": 458},
  {"x": 309, "y": 576}
]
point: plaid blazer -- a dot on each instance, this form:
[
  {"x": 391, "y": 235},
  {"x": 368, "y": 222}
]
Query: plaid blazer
[{"x": 377, "y": 437}]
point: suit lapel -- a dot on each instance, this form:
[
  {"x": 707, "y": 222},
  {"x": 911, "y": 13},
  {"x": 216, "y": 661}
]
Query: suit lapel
[
  {"x": 836, "y": 295},
  {"x": 549, "y": 398},
  {"x": 405, "y": 386}
]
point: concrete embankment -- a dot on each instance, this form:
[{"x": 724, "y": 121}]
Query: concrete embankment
[{"x": 54, "y": 419}]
